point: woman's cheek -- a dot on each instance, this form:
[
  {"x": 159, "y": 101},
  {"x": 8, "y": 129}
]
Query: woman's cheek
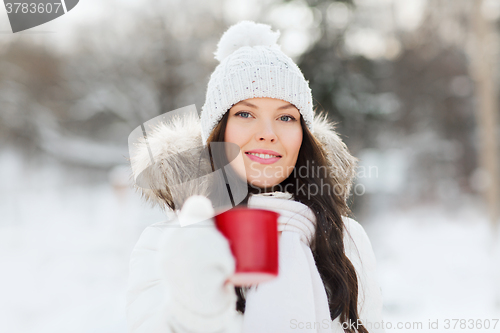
[{"x": 293, "y": 141}]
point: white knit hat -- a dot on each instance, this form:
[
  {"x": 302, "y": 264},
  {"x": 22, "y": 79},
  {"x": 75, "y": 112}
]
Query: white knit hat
[{"x": 253, "y": 65}]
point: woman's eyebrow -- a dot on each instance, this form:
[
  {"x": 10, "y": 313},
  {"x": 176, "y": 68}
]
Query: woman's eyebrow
[
  {"x": 286, "y": 107},
  {"x": 247, "y": 104}
]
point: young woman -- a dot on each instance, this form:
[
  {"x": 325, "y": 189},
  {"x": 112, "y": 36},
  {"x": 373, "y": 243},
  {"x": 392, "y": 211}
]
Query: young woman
[{"x": 290, "y": 161}]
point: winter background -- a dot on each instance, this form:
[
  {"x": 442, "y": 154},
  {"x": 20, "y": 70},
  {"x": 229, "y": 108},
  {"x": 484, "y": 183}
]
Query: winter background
[{"x": 412, "y": 85}]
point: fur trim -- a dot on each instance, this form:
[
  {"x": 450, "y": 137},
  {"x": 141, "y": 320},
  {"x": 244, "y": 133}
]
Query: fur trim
[
  {"x": 174, "y": 152},
  {"x": 161, "y": 161},
  {"x": 342, "y": 164}
]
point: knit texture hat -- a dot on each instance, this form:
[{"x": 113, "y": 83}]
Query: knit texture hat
[{"x": 253, "y": 65}]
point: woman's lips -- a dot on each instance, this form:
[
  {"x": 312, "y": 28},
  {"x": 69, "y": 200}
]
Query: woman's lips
[{"x": 270, "y": 160}]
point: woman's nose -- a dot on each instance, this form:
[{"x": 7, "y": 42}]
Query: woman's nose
[{"x": 266, "y": 133}]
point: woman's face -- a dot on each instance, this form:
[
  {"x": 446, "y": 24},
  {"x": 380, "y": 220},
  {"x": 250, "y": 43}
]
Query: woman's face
[{"x": 269, "y": 134}]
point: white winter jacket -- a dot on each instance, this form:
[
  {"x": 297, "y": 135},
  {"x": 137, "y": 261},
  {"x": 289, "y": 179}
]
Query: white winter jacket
[{"x": 148, "y": 301}]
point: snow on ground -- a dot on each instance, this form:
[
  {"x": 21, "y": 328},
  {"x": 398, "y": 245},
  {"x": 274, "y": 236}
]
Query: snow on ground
[
  {"x": 64, "y": 250},
  {"x": 435, "y": 264},
  {"x": 65, "y": 246}
]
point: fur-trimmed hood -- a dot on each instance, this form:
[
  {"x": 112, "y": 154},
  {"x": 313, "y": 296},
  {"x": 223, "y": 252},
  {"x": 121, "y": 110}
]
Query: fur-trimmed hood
[{"x": 168, "y": 158}]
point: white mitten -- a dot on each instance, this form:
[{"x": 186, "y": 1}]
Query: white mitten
[{"x": 197, "y": 261}]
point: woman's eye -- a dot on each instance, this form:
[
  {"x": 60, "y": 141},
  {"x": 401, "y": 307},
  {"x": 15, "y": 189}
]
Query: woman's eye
[
  {"x": 243, "y": 114},
  {"x": 287, "y": 118}
]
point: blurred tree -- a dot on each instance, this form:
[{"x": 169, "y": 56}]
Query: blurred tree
[
  {"x": 416, "y": 94},
  {"x": 483, "y": 67},
  {"x": 80, "y": 107}
]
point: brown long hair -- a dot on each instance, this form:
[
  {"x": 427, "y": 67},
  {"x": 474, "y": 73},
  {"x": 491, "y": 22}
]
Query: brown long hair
[{"x": 336, "y": 270}]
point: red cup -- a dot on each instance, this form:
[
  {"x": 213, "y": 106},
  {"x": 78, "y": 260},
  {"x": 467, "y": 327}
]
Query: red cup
[{"x": 253, "y": 239}]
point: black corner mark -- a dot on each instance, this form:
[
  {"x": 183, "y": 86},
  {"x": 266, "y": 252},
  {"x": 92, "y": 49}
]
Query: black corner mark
[{"x": 26, "y": 14}]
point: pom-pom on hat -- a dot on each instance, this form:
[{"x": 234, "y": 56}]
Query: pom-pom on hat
[{"x": 253, "y": 65}]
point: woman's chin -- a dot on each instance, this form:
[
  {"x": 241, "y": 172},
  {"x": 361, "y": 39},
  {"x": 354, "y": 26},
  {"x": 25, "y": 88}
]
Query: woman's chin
[{"x": 263, "y": 183}]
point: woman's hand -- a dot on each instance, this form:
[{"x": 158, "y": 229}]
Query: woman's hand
[{"x": 197, "y": 262}]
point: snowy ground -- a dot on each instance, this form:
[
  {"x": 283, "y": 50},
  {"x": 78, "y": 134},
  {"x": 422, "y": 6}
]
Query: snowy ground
[
  {"x": 64, "y": 254},
  {"x": 64, "y": 249},
  {"x": 438, "y": 265}
]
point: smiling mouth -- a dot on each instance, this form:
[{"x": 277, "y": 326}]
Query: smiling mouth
[{"x": 264, "y": 156}]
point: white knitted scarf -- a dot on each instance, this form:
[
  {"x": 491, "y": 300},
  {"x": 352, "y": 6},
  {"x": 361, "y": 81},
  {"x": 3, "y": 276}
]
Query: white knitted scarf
[{"x": 296, "y": 300}]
